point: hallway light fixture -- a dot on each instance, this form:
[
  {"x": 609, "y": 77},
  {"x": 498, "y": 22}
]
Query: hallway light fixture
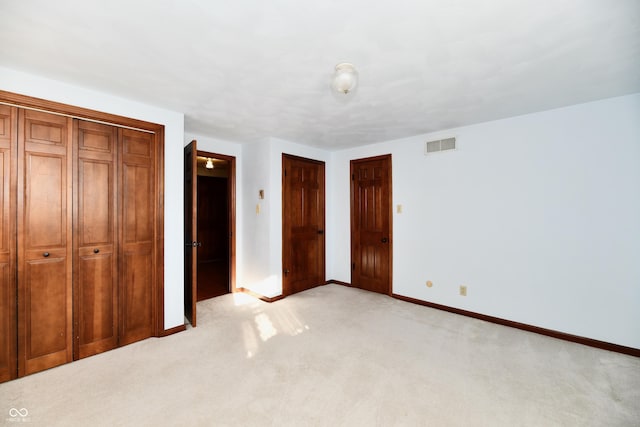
[
  {"x": 209, "y": 164},
  {"x": 345, "y": 78}
]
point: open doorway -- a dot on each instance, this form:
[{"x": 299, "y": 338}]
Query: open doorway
[
  {"x": 214, "y": 272},
  {"x": 209, "y": 184}
]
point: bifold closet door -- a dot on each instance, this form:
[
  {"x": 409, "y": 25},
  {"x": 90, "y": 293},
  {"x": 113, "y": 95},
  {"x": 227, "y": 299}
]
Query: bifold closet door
[
  {"x": 8, "y": 331},
  {"x": 44, "y": 240},
  {"x": 95, "y": 239},
  {"x": 137, "y": 270}
]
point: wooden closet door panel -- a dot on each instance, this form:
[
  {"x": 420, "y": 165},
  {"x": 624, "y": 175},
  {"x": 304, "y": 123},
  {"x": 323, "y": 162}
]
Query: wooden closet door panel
[
  {"x": 95, "y": 251},
  {"x": 8, "y": 326},
  {"x": 44, "y": 241},
  {"x": 137, "y": 238},
  {"x": 45, "y": 313}
]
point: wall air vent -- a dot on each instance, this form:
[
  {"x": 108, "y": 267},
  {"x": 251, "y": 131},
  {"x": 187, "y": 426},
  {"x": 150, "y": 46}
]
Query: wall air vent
[{"x": 440, "y": 145}]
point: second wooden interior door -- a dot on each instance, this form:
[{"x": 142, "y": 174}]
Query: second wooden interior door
[
  {"x": 371, "y": 240},
  {"x": 303, "y": 221}
]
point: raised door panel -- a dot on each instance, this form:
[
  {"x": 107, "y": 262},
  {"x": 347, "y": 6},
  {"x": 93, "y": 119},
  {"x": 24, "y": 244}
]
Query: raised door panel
[
  {"x": 8, "y": 331},
  {"x": 45, "y": 319},
  {"x": 95, "y": 256},
  {"x": 137, "y": 238},
  {"x": 45, "y": 219},
  {"x": 303, "y": 224},
  {"x": 44, "y": 233},
  {"x": 136, "y": 296},
  {"x": 97, "y": 306},
  {"x": 371, "y": 226},
  {"x": 371, "y": 223}
]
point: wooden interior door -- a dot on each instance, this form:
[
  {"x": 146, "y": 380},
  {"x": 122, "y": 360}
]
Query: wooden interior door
[
  {"x": 303, "y": 221},
  {"x": 371, "y": 224},
  {"x": 190, "y": 231},
  {"x": 136, "y": 203},
  {"x": 95, "y": 249},
  {"x": 45, "y": 241},
  {"x": 8, "y": 326}
]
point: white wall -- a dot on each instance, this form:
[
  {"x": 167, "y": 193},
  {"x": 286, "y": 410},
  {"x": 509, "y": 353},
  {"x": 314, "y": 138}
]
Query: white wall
[
  {"x": 31, "y": 85},
  {"x": 263, "y": 232},
  {"x": 539, "y": 215},
  {"x": 256, "y": 273}
]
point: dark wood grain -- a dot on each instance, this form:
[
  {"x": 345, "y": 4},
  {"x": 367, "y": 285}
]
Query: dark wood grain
[
  {"x": 49, "y": 158},
  {"x": 371, "y": 225},
  {"x": 190, "y": 182},
  {"x": 29, "y": 102},
  {"x": 45, "y": 241},
  {"x": 303, "y": 224},
  {"x": 137, "y": 190},
  {"x": 8, "y": 163},
  {"x": 95, "y": 238}
]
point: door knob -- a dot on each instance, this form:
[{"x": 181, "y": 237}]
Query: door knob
[
  {"x": 95, "y": 251},
  {"x": 46, "y": 254},
  {"x": 384, "y": 240}
]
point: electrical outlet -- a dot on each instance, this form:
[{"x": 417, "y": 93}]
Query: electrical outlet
[
  {"x": 429, "y": 283},
  {"x": 463, "y": 290}
]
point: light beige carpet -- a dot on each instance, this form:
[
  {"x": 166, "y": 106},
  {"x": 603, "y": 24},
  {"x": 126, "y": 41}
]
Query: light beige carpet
[{"x": 334, "y": 356}]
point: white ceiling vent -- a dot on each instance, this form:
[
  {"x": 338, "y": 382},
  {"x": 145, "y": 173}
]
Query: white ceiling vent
[{"x": 440, "y": 145}]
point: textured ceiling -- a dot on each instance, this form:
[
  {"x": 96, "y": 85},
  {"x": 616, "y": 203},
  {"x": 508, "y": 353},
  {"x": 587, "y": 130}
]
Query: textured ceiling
[{"x": 245, "y": 70}]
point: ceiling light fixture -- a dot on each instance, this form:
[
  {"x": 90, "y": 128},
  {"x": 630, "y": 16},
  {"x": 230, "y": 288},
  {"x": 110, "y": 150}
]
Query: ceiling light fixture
[
  {"x": 209, "y": 164},
  {"x": 345, "y": 78}
]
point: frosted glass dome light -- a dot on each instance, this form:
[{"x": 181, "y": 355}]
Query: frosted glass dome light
[{"x": 345, "y": 78}]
